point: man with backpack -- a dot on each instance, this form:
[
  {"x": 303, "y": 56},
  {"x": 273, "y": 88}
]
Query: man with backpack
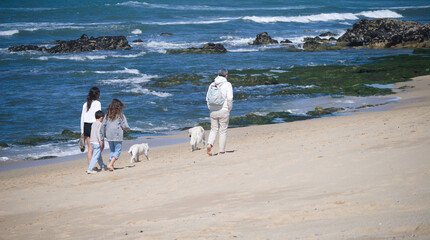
[{"x": 219, "y": 99}]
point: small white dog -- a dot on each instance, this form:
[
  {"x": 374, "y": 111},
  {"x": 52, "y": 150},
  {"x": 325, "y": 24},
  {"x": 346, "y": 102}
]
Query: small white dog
[
  {"x": 138, "y": 149},
  {"x": 197, "y": 135}
]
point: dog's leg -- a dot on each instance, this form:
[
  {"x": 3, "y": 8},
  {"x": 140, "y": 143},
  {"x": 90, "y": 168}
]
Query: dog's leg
[
  {"x": 132, "y": 158},
  {"x": 204, "y": 141},
  {"x": 146, "y": 155}
]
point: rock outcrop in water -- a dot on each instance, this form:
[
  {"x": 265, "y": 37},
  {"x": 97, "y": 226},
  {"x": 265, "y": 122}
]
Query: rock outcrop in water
[
  {"x": 206, "y": 49},
  {"x": 83, "y": 44},
  {"x": 263, "y": 39},
  {"x": 387, "y": 33},
  {"x": 319, "y": 44}
]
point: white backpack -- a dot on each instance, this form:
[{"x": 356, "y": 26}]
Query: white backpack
[{"x": 215, "y": 97}]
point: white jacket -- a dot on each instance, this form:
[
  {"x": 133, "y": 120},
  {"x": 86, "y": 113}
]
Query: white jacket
[
  {"x": 227, "y": 93},
  {"x": 90, "y": 115}
]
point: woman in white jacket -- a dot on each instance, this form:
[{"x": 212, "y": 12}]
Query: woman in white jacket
[
  {"x": 89, "y": 109},
  {"x": 220, "y": 115}
]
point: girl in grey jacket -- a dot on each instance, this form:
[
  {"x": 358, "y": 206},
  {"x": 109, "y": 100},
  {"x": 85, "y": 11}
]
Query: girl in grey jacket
[{"x": 115, "y": 124}]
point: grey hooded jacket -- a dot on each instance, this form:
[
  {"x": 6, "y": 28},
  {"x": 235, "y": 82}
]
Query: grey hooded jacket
[{"x": 114, "y": 130}]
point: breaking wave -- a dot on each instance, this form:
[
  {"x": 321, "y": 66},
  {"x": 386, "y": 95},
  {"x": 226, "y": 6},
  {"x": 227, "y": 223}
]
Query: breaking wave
[{"x": 325, "y": 17}]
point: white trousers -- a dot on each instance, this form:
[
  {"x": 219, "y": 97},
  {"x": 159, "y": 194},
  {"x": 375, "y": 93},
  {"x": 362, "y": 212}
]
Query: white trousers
[{"x": 219, "y": 124}]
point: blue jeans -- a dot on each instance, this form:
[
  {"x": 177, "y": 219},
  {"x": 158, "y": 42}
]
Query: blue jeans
[
  {"x": 96, "y": 157},
  {"x": 115, "y": 149}
]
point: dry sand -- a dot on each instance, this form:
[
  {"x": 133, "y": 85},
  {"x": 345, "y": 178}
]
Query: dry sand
[{"x": 365, "y": 176}]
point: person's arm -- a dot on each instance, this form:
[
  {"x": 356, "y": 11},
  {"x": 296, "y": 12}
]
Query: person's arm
[
  {"x": 229, "y": 97},
  {"x": 101, "y": 136},
  {"x": 103, "y": 127},
  {"x": 207, "y": 102},
  {"x": 82, "y": 119},
  {"x": 124, "y": 123}
]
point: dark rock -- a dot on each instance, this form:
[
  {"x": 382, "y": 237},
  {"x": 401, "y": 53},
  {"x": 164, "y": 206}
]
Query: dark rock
[
  {"x": 138, "y": 40},
  {"x": 286, "y": 41},
  {"x": 326, "y": 34},
  {"x": 387, "y": 33},
  {"x": 263, "y": 39},
  {"x": 66, "y": 133},
  {"x": 319, "y": 111},
  {"x": 206, "y": 49},
  {"x": 311, "y": 45},
  {"x": 332, "y": 39},
  {"x": 311, "y": 39},
  {"x": 3, "y": 145},
  {"x": 83, "y": 44},
  {"x": 26, "y": 48},
  {"x": 166, "y": 34}
]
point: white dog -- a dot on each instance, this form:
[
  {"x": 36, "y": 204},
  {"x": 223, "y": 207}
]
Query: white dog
[
  {"x": 197, "y": 135},
  {"x": 138, "y": 149}
]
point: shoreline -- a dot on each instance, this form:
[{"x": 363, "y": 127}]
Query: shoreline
[
  {"x": 153, "y": 141},
  {"x": 169, "y": 139}
]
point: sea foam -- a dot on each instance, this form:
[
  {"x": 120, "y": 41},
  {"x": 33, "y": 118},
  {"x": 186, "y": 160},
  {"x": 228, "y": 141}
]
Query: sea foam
[
  {"x": 137, "y": 31},
  {"x": 126, "y": 70},
  {"x": 9, "y": 32},
  {"x": 324, "y": 17}
]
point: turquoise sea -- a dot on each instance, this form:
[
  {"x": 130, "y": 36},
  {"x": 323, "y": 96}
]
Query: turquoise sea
[{"x": 42, "y": 94}]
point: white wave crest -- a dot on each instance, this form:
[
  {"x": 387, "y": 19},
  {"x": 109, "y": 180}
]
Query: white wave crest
[
  {"x": 9, "y": 32},
  {"x": 132, "y": 84},
  {"x": 32, "y": 26},
  {"x": 126, "y": 70},
  {"x": 129, "y": 55},
  {"x": 380, "y": 14},
  {"x": 140, "y": 90},
  {"x": 137, "y": 31},
  {"x": 244, "y": 50},
  {"x": 235, "y": 41},
  {"x": 162, "y": 45},
  {"x": 324, "y": 17},
  {"x": 79, "y": 57},
  {"x": 126, "y": 81}
]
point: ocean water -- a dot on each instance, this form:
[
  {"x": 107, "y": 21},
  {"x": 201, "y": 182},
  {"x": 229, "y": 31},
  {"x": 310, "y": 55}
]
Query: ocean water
[{"x": 42, "y": 94}]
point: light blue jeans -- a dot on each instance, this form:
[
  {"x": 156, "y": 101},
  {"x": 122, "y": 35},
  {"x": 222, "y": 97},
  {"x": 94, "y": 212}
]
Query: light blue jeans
[
  {"x": 96, "y": 157},
  {"x": 115, "y": 149}
]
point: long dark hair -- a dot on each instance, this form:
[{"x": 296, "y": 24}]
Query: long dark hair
[
  {"x": 114, "y": 109},
  {"x": 94, "y": 94}
]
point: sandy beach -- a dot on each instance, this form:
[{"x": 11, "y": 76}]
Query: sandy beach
[{"x": 362, "y": 176}]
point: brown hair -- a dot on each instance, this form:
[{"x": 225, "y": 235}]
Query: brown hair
[
  {"x": 94, "y": 94},
  {"x": 114, "y": 110}
]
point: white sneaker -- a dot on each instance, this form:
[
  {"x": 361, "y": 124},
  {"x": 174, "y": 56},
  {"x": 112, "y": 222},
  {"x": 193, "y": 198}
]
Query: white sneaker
[{"x": 91, "y": 171}]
